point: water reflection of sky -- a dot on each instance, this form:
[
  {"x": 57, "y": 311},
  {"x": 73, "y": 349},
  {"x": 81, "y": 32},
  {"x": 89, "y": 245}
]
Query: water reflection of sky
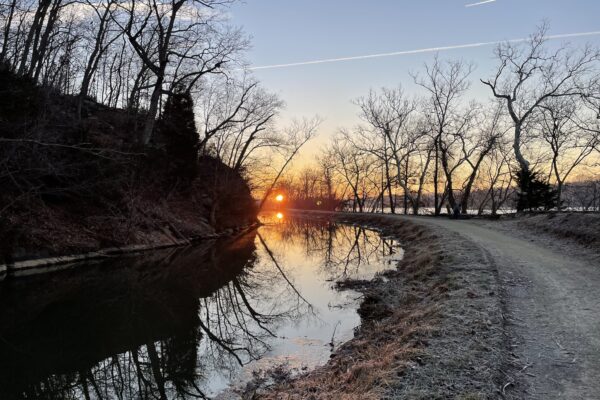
[
  {"x": 186, "y": 323},
  {"x": 313, "y": 255}
]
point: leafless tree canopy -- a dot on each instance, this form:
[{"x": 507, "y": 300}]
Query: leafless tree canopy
[
  {"x": 419, "y": 154},
  {"x": 128, "y": 54}
]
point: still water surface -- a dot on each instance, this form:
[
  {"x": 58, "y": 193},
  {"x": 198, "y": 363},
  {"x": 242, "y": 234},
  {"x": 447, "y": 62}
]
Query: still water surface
[{"x": 187, "y": 323}]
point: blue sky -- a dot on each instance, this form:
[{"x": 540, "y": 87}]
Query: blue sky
[{"x": 289, "y": 31}]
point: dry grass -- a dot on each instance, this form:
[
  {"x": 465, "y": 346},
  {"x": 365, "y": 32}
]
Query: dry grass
[
  {"x": 583, "y": 228},
  {"x": 431, "y": 330}
]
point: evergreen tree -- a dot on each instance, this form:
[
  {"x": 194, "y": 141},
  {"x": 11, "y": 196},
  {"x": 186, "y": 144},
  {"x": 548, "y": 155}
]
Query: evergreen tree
[
  {"x": 178, "y": 128},
  {"x": 534, "y": 193}
]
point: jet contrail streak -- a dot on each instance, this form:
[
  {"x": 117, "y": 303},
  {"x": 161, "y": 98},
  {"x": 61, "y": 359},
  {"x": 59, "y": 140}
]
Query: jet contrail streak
[
  {"x": 419, "y": 51},
  {"x": 480, "y": 3}
]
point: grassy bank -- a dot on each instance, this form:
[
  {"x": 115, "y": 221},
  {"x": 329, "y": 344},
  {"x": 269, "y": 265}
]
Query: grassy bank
[
  {"x": 432, "y": 328},
  {"x": 580, "y": 228}
]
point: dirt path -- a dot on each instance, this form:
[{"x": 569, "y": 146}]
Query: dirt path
[{"x": 553, "y": 304}]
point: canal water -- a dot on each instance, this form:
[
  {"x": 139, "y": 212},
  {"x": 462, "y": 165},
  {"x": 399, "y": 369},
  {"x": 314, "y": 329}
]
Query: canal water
[{"x": 188, "y": 323}]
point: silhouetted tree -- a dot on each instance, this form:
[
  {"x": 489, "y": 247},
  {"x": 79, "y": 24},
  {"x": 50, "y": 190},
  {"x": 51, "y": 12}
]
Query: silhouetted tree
[
  {"x": 534, "y": 193},
  {"x": 178, "y": 129},
  {"x": 529, "y": 76},
  {"x": 445, "y": 84}
]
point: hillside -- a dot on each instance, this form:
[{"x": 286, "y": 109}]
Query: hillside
[{"x": 78, "y": 180}]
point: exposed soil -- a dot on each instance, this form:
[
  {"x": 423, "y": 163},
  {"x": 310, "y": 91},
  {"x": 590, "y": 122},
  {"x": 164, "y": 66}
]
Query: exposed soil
[{"x": 432, "y": 329}]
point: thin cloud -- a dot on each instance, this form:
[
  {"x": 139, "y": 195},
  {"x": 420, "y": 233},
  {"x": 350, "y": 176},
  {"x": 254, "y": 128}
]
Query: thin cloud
[
  {"x": 419, "y": 51},
  {"x": 480, "y": 3}
]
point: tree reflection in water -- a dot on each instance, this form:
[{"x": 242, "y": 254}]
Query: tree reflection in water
[
  {"x": 171, "y": 324},
  {"x": 341, "y": 250}
]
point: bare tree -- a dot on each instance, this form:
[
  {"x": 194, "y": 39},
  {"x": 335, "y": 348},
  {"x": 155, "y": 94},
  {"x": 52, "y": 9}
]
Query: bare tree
[
  {"x": 100, "y": 41},
  {"x": 354, "y": 166},
  {"x": 297, "y": 134},
  {"x": 445, "y": 83},
  {"x": 387, "y": 115},
  {"x": 529, "y": 75},
  {"x": 237, "y": 121},
  {"x": 569, "y": 145},
  {"x": 421, "y": 162},
  {"x": 588, "y": 117},
  {"x": 8, "y": 11},
  {"x": 478, "y": 145},
  {"x": 497, "y": 177},
  {"x": 149, "y": 21}
]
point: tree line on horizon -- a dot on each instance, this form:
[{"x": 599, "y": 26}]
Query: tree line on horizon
[{"x": 533, "y": 145}]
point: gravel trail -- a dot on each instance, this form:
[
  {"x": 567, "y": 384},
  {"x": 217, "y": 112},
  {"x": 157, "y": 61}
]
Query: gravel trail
[{"x": 553, "y": 305}]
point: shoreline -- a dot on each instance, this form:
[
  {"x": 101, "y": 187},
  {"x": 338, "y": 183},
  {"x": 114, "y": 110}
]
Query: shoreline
[
  {"x": 35, "y": 266},
  {"x": 426, "y": 325}
]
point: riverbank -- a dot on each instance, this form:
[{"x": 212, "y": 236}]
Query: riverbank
[
  {"x": 78, "y": 178},
  {"x": 149, "y": 215},
  {"x": 51, "y": 264},
  {"x": 432, "y": 328}
]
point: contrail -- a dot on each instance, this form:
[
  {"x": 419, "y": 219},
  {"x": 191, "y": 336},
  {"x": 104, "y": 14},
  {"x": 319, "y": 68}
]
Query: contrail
[
  {"x": 419, "y": 51},
  {"x": 480, "y": 3}
]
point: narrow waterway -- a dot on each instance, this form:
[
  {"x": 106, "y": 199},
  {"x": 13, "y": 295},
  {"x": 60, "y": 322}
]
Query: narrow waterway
[{"x": 187, "y": 323}]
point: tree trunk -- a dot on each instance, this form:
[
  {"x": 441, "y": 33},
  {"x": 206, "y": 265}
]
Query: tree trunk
[
  {"x": 39, "y": 52},
  {"x": 11, "y": 14},
  {"x": 152, "y": 111},
  {"x": 559, "y": 189},
  {"x": 36, "y": 25},
  {"x": 471, "y": 181},
  {"x": 94, "y": 59},
  {"x": 406, "y": 193},
  {"x": 523, "y": 163},
  {"x": 436, "y": 206},
  {"x": 449, "y": 186},
  {"x": 389, "y": 187}
]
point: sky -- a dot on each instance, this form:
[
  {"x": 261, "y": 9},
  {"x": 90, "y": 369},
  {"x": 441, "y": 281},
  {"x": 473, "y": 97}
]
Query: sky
[{"x": 292, "y": 31}]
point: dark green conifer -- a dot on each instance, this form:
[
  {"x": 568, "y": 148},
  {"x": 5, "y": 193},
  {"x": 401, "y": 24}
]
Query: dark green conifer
[
  {"x": 534, "y": 193},
  {"x": 178, "y": 128}
]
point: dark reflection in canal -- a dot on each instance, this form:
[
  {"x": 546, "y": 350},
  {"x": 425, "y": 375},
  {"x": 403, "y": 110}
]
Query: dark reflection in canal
[{"x": 185, "y": 323}]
